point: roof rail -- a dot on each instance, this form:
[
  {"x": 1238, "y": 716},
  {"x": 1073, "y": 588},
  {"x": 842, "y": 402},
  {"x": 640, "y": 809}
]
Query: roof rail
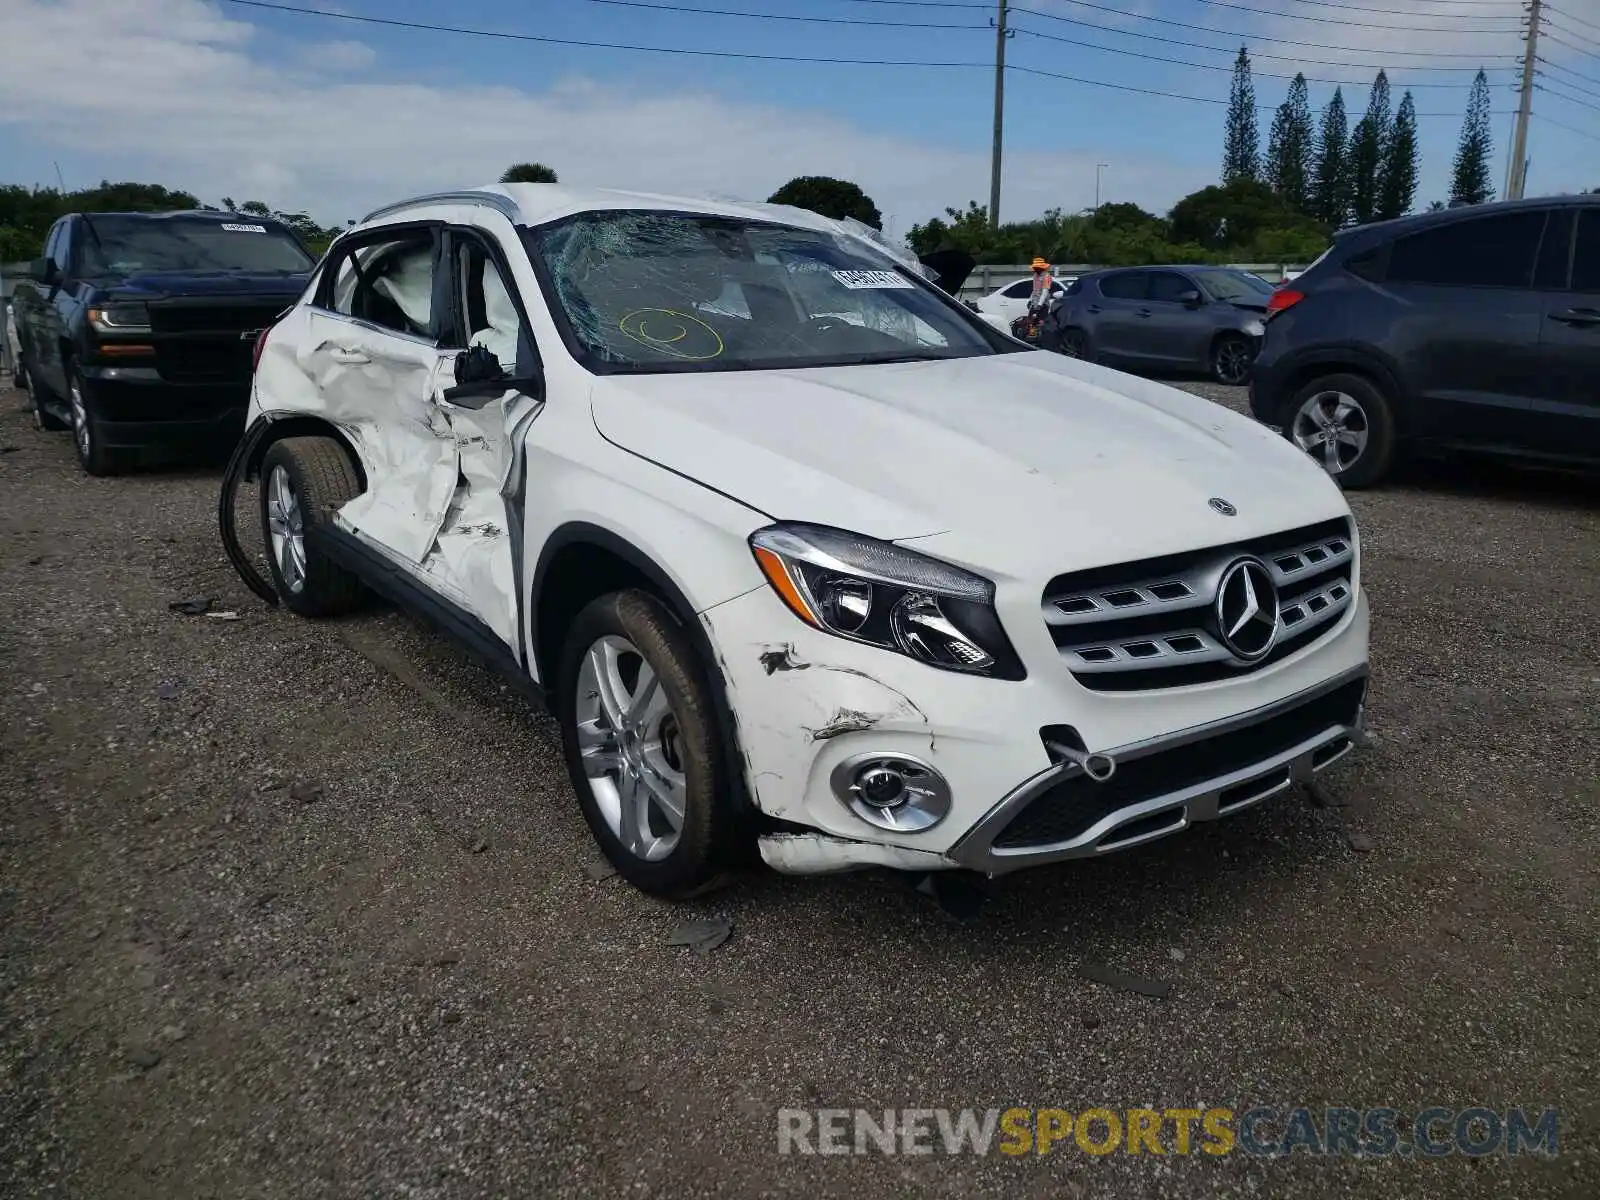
[{"x": 504, "y": 205}]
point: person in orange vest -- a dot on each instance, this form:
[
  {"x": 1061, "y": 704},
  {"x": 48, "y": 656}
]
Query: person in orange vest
[{"x": 1043, "y": 282}]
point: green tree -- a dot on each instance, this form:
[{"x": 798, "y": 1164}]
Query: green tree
[
  {"x": 1469, "y": 177},
  {"x": 1290, "y": 148},
  {"x": 1330, "y": 187},
  {"x": 828, "y": 197},
  {"x": 1397, "y": 180},
  {"x": 1241, "y": 148},
  {"x": 528, "y": 173},
  {"x": 1366, "y": 152},
  {"x": 1237, "y": 216}
]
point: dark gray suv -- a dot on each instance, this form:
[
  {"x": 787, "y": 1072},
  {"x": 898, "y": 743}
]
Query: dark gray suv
[
  {"x": 1469, "y": 329},
  {"x": 1178, "y": 318}
]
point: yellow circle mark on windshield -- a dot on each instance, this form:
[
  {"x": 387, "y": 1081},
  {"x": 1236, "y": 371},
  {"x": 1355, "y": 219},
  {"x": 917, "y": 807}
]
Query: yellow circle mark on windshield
[{"x": 663, "y": 328}]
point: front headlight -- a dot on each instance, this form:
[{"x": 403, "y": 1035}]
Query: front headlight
[
  {"x": 120, "y": 318},
  {"x": 875, "y": 592}
]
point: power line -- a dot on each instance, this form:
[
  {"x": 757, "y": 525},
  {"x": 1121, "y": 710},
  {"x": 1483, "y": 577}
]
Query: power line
[
  {"x": 1565, "y": 83},
  {"x": 1267, "y": 12},
  {"x": 1128, "y": 87},
  {"x": 728, "y": 12},
  {"x": 1179, "y": 62},
  {"x": 1571, "y": 46},
  {"x": 1582, "y": 37},
  {"x": 1559, "y": 67},
  {"x": 1569, "y": 128},
  {"x": 556, "y": 41},
  {"x": 1229, "y": 50},
  {"x": 430, "y": 27},
  {"x": 1589, "y": 104},
  {"x": 1228, "y": 33},
  {"x": 1578, "y": 19}
]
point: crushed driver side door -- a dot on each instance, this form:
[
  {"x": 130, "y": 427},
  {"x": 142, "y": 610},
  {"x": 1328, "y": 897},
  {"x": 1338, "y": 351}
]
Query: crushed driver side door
[
  {"x": 373, "y": 358},
  {"x": 476, "y": 557}
]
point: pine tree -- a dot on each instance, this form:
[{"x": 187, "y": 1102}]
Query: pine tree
[
  {"x": 1330, "y": 189},
  {"x": 1291, "y": 149},
  {"x": 1241, "y": 153},
  {"x": 1398, "y": 178},
  {"x": 1366, "y": 152},
  {"x": 1469, "y": 181}
]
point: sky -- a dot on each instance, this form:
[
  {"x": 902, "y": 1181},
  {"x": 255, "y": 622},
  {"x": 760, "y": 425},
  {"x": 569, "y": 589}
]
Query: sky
[{"x": 337, "y": 116}]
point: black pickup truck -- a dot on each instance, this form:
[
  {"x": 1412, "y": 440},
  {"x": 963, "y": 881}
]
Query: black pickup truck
[{"x": 137, "y": 329}]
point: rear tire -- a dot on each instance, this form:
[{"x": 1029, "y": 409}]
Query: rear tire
[
  {"x": 640, "y": 732},
  {"x": 1346, "y": 425},
  {"x": 304, "y": 481},
  {"x": 1074, "y": 343}
]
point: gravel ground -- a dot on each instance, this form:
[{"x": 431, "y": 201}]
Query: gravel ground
[{"x": 294, "y": 909}]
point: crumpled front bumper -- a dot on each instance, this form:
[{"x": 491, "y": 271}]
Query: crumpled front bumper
[{"x": 809, "y": 703}]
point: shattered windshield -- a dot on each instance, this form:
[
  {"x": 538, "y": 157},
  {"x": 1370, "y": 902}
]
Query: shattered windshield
[
  {"x": 117, "y": 245},
  {"x": 642, "y": 291}
]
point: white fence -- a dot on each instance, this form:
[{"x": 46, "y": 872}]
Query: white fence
[{"x": 985, "y": 279}]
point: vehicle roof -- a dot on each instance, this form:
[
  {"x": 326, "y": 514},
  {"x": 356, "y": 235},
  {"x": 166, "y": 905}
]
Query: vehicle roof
[
  {"x": 1169, "y": 267},
  {"x": 204, "y": 214},
  {"x": 542, "y": 203},
  {"x": 1445, "y": 215}
]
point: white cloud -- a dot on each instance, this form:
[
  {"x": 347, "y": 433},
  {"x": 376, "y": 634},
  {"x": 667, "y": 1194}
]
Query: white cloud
[
  {"x": 338, "y": 56},
  {"x": 183, "y": 91}
]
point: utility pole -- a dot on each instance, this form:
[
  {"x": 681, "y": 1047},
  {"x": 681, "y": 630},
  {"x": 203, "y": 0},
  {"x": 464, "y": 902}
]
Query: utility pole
[
  {"x": 1000, "y": 35},
  {"x": 1098, "y": 167},
  {"x": 1519, "y": 140}
]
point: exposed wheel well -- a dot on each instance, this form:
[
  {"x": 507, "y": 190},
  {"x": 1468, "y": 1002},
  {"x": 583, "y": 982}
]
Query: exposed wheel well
[
  {"x": 1304, "y": 375},
  {"x": 305, "y": 426},
  {"x": 574, "y": 575}
]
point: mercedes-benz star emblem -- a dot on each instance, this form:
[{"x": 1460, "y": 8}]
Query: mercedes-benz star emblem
[
  {"x": 1223, "y": 507},
  {"x": 1247, "y": 609}
]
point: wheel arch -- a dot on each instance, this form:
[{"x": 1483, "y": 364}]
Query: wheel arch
[
  {"x": 1346, "y": 362},
  {"x": 277, "y": 428},
  {"x": 580, "y": 562}
]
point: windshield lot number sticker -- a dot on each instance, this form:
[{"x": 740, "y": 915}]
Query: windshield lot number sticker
[
  {"x": 873, "y": 279},
  {"x": 245, "y": 228}
]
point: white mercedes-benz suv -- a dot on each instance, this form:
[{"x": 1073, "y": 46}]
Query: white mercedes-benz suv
[{"x": 803, "y": 555}]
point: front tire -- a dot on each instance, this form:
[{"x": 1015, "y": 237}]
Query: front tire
[
  {"x": 94, "y": 456},
  {"x": 304, "y": 481},
  {"x": 1231, "y": 360},
  {"x": 1347, "y": 426},
  {"x": 640, "y": 733}
]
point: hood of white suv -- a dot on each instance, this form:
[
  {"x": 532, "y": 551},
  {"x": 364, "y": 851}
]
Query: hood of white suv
[{"x": 1006, "y": 463}]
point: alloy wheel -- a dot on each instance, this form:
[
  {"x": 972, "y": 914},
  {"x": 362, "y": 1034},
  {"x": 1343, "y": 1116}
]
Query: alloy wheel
[
  {"x": 1333, "y": 428},
  {"x": 1073, "y": 344},
  {"x": 286, "y": 526},
  {"x": 80, "y": 420},
  {"x": 1233, "y": 362},
  {"x": 632, "y": 748}
]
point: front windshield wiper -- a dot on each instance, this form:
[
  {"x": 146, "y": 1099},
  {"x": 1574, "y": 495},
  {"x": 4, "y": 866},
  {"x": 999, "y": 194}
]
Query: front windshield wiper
[{"x": 861, "y": 360}]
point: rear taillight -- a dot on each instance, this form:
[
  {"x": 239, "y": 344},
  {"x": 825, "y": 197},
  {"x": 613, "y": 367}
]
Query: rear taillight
[
  {"x": 255, "y": 351},
  {"x": 1283, "y": 298}
]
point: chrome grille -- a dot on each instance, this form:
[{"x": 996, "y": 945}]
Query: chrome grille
[{"x": 1153, "y": 624}]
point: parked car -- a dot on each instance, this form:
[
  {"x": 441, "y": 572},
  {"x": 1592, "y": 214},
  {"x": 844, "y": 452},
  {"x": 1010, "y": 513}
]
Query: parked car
[
  {"x": 804, "y": 556},
  {"x": 1011, "y": 301},
  {"x": 1469, "y": 329},
  {"x": 1175, "y": 318},
  {"x": 136, "y": 328}
]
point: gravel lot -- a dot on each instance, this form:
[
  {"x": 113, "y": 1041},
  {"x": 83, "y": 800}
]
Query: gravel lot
[{"x": 294, "y": 909}]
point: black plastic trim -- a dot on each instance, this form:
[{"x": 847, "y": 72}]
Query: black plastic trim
[{"x": 393, "y": 582}]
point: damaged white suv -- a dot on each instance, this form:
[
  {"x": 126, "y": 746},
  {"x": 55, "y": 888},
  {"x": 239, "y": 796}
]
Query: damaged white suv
[{"x": 803, "y": 555}]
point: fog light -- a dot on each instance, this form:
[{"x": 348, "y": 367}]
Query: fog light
[{"x": 892, "y": 791}]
